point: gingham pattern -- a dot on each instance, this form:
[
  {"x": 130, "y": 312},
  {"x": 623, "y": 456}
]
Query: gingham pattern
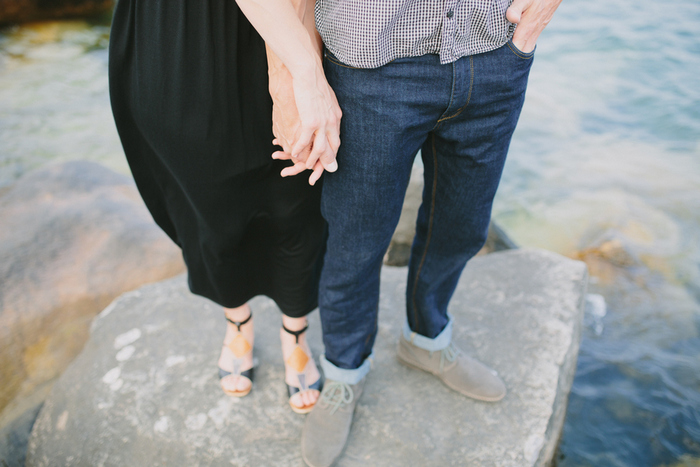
[{"x": 371, "y": 33}]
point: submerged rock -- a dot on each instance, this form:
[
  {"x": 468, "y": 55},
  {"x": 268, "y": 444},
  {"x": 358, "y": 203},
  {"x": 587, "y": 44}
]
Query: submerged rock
[
  {"x": 21, "y": 11},
  {"x": 145, "y": 390},
  {"x": 72, "y": 237},
  {"x": 14, "y": 438}
]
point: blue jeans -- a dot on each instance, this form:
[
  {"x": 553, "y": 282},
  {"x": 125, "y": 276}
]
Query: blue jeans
[{"x": 462, "y": 116}]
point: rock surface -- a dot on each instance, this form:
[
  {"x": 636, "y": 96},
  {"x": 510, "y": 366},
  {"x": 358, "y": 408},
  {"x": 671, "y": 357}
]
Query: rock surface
[
  {"x": 144, "y": 391},
  {"x": 72, "y": 238},
  {"x": 19, "y": 11}
]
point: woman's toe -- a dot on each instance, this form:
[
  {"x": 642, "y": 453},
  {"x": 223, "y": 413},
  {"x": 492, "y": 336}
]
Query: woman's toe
[
  {"x": 310, "y": 397},
  {"x": 228, "y": 383},
  {"x": 233, "y": 383},
  {"x": 297, "y": 400},
  {"x": 243, "y": 383},
  {"x": 313, "y": 396}
]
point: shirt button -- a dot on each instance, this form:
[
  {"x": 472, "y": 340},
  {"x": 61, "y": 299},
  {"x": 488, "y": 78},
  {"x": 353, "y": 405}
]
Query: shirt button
[{"x": 450, "y": 14}]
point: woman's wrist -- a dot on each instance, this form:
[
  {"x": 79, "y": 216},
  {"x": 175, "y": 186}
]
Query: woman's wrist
[{"x": 306, "y": 67}]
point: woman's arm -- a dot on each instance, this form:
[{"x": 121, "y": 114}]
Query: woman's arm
[
  {"x": 285, "y": 117},
  {"x": 299, "y": 51}
]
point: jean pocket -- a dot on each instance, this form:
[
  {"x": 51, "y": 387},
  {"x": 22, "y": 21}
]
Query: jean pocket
[{"x": 520, "y": 53}]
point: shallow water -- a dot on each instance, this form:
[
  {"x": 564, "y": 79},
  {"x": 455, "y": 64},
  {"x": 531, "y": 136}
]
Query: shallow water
[
  {"x": 54, "y": 104},
  {"x": 604, "y": 167}
]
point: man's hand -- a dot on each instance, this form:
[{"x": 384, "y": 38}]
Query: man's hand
[
  {"x": 317, "y": 154},
  {"x": 286, "y": 125},
  {"x": 531, "y": 16},
  {"x": 289, "y": 33}
]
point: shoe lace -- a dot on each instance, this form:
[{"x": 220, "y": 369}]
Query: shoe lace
[
  {"x": 448, "y": 354},
  {"x": 336, "y": 395}
]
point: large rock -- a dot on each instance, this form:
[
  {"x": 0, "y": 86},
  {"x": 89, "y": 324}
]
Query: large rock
[
  {"x": 72, "y": 238},
  {"x": 145, "y": 390},
  {"x": 20, "y": 11}
]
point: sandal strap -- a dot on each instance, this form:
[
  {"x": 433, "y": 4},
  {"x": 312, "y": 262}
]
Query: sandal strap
[
  {"x": 238, "y": 324},
  {"x": 296, "y": 334},
  {"x": 247, "y": 373},
  {"x": 318, "y": 385}
]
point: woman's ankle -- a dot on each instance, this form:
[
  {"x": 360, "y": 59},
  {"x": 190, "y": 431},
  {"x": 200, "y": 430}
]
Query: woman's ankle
[
  {"x": 294, "y": 324},
  {"x": 238, "y": 314}
]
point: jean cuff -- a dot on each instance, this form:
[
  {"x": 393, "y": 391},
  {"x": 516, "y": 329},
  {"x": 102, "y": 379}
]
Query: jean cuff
[
  {"x": 343, "y": 375},
  {"x": 440, "y": 342}
]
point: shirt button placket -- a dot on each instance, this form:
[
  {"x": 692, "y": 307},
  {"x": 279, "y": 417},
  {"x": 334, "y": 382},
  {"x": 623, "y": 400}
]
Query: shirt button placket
[{"x": 448, "y": 29}]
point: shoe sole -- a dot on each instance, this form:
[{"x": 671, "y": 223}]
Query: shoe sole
[
  {"x": 301, "y": 410},
  {"x": 437, "y": 375},
  {"x": 309, "y": 464},
  {"x": 243, "y": 393},
  {"x": 238, "y": 393},
  {"x": 335, "y": 461}
]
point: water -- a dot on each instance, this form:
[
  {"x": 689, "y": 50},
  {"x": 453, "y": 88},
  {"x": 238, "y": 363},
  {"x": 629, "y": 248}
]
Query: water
[
  {"x": 54, "y": 104},
  {"x": 604, "y": 167}
]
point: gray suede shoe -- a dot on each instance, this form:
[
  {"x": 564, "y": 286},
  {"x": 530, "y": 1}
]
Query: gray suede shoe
[
  {"x": 458, "y": 371},
  {"x": 327, "y": 426}
]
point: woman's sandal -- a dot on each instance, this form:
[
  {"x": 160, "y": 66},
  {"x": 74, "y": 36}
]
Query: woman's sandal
[
  {"x": 240, "y": 347},
  {"x": 298, "y": 360}
]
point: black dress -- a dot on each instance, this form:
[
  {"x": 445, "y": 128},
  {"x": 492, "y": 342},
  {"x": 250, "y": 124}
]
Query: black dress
[{"x": 188, "y": 85}]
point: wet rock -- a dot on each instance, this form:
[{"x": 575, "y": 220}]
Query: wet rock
[
  {"x": 72, "y": 237},
  {"x": 400, "y": 248},
  {"x": 14, "y": 438},
  {"x": 21, "y": 11},
  {"x": 145, "y": 391}
]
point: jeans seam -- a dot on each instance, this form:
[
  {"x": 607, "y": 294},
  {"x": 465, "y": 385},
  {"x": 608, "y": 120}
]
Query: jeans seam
[
  {"x": 452, "y": 96},
  {"x": 469, "y": 96},
  {"x": 430, "y": 230},
  {"x": 336, "y": 62},
  {"x": 341, "y": 64}
]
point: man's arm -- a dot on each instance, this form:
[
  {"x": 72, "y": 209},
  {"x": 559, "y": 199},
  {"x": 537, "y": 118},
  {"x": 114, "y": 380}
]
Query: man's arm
[
  {"x": 278, "y": 24},
  {"x": 531, "y": 16}
]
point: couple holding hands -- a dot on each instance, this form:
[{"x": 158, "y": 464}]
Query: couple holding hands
[{"x": 195, "y": 86}]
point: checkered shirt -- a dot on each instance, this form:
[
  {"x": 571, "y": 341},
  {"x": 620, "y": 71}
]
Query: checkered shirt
[{"x": 371, "y": 33}]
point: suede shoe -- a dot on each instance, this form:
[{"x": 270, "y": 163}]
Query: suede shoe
[
  {"x": 328, "y": 425},
  {"x": 459, "y": 372}
]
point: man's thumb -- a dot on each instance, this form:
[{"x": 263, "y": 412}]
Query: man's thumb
[{"x": 515, "y": 11}]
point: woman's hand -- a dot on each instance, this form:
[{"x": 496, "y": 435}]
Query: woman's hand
[
  {"x": 285, "y": 117},
  {"x": 319, "y": 116}
]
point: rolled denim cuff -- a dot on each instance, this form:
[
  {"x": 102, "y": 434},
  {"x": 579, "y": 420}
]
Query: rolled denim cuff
[
  {"x": 440, "y": 342},
  {"x": 343, "y": 375}
]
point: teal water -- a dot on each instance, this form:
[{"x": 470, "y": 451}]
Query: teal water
[
  {"x": 606, "y": 159},
  {"x": 604, "y": 166},
  {"x": 54, "y": 104}
]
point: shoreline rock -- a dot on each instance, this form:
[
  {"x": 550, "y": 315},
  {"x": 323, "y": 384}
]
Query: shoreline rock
[
  {"x": 22, "y": 11},
  {"x": 73, "y": 237},
  {"x": 144, "y": 391}
]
